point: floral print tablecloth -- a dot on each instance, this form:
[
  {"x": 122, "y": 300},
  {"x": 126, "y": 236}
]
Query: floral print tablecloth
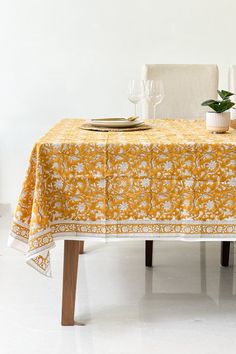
[{"x": 175, "y": 181}]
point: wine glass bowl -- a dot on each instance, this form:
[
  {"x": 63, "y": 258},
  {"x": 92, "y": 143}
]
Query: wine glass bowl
[
  {"x": 136, "y": 91},
  {"x": 154, "y": 93}
]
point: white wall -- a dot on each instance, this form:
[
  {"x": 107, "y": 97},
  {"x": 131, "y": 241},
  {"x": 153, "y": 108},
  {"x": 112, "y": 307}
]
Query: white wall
[{"x": 73, "y": 58}]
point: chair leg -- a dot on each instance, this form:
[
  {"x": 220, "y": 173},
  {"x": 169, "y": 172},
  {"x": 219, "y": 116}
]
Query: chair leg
[
  {"x": 71, "y": 258},
  {"x": 148, "y": 253},
  {"x": 81, "y": 247},
  {"x": 225, "y": 249}
]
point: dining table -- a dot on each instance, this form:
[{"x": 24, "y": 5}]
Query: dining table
[{"x": 174, "y": 181}]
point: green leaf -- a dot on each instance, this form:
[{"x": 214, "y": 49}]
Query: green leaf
[
  {"x": 222, "y": 106},
  {"x": 216, "y": 107},
  {"x": 224, "y": 94},
  {"x": 226, "y": 105},
  {"x": 220, "y": 94},
  {"x": 208, "y": 102},
  {"x": 231, "y": 104}
]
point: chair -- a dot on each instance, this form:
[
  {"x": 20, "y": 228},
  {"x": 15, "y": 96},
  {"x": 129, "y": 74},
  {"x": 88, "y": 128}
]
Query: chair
[
  {"x": 232, "y": 81},
  {"x": 186, "y": 87}
]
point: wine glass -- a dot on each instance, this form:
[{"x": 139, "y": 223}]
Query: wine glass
[
  {"x": 154, "y": 92},
  {"x": 136, "y": 92}
]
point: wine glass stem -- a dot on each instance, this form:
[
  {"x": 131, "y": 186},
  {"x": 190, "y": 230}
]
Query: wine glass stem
[
  {"x": 154, "y": 111},
  {"x": 135, "y": 109}
]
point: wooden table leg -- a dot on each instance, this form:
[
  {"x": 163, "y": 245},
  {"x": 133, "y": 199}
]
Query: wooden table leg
[
  {"x": 225, "y": 248},
  {"x": 81, "y": 248},
  {"x": 148, "y": 253},
  {"x": 71, "y": 258}
]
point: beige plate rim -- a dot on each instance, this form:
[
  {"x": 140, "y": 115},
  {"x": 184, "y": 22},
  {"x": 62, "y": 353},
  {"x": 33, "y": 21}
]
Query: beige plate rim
[{"x": 117, "y": 124}]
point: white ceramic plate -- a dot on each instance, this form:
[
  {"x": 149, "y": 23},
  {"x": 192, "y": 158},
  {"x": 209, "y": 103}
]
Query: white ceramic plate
[{"x": 116, "y": 123}]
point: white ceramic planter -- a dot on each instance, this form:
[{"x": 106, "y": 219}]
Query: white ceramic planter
[{"x": 217, "y": 122}]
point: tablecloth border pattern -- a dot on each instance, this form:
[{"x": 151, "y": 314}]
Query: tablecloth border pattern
[{"x": 184, "y": 230}]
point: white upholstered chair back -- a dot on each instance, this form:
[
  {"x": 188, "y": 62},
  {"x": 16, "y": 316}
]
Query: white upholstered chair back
[
  {"x": 232, "y": 81},
  {"x": 186, "y": 87}
]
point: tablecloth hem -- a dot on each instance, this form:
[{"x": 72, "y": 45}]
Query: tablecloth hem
[
  {"x": 46, "y": 272},
  {"x": 20, "y": 245}
]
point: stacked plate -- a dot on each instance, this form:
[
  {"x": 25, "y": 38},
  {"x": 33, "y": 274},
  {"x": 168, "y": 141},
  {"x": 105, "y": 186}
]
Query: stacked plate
[{"x": 117, "y": 122}]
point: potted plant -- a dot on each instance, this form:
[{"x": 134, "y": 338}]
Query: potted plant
[{"x": 218, "y": 120}]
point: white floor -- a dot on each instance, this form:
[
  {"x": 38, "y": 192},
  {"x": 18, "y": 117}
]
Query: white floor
[{"x": 185, "y": 304}]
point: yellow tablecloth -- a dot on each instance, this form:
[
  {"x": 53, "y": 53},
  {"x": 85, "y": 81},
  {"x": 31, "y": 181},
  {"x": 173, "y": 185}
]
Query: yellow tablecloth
[{"x": 175, "y": 181}]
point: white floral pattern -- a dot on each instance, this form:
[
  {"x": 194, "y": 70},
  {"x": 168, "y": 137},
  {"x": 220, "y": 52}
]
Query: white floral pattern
[{"x": 175, "y": 179}]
